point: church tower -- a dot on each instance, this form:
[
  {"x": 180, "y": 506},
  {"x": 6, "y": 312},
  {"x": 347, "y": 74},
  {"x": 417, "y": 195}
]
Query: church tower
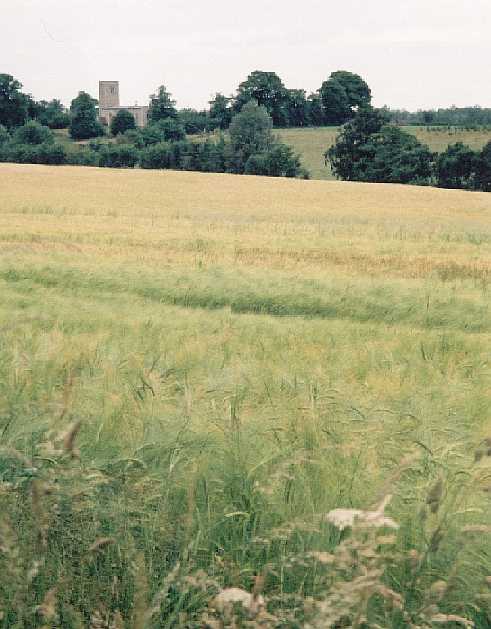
[{"x": 108, "y": 94}]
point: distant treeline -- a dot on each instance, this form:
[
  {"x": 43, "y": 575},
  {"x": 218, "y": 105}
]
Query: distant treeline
[{"x": 467, "y": 117}]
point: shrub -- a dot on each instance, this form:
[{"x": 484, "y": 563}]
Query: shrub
[
  {"x": 122, "y": 122},
  {"x": 119, "y": 156},
  {"x": 155, "y": 156},
  {"x": 33, "y": 133},
  {"x": 456, "y": 167},
  {"x": 278, "y": 161},
  {"x": 54, "y": 154},
  {"x": 483, "y": 169}
]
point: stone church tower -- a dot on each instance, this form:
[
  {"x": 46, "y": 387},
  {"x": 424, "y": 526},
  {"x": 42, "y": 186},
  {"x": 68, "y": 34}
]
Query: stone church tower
[
  {"x": 108, "y": 94},
  {"x": 109, "y": 105}
]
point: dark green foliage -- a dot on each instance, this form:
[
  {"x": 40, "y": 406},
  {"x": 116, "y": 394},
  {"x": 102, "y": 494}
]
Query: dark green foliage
[
  {"x": 4, "y": 135},
  {"x": 348, "y": 148},
  {"x": 13, "y": 103},
  {"x": 251, "y": 130},
  {"x": 357, "y": 90},
  {"x": 33, "y": 133},
  {"x": 370, "y": 150},
  {"x": 455, "y": 167},
  {"x": 132, "y": 136},
  {"x": 118, "y": 156},
  {"x": 161, "y": 105},
  {"x": 342, "y": 94},
  {"x": 122, "y": 122},
  {"x": 196, "y": 121},
  {"x": 335, "y": 103},
  {"x": 267, "y": 89},
  {"x": 221, "y": 112},
  {"x": 394, "y": 156},
  {"x": 156, "y": 156},
  {"x": 84, "y": 123},
  {"x": 315, "y": 110},
  {"x": 172, "y": 129},
  {"x": 483, "y": 169},
  {"x": 468, "y": 117},
  {"x": 278, "y": 161},
  {"x": 52, "y": 114},
  {"x": 297, "y": 108},
  {"x": 46, "y": 153}
]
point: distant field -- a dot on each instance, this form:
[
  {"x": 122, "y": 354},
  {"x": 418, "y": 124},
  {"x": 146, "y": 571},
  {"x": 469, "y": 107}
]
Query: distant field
[
  {"x": 244, "y": 355},
  {"x": 312, "y": 143}
]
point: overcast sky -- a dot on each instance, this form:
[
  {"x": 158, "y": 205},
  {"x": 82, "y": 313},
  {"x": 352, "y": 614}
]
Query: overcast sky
[{"x": 413, "y": 53}]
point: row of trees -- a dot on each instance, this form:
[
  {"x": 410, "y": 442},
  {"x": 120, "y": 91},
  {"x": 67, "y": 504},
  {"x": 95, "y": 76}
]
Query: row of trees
[
  {"x": 251, "y": 148},
  {"x": 470, "y": 117},
  {"x": 372, "y": 150},
  {"x": 333, "y": 103}
]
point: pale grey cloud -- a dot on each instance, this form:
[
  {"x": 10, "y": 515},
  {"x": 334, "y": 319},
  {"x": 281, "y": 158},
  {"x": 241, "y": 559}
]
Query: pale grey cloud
[{"x": 413, "y": 53}]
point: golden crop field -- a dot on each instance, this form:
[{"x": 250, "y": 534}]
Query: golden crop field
[
  {"x": 312, "y": 143},
  {"x": 237, "y": 357}
]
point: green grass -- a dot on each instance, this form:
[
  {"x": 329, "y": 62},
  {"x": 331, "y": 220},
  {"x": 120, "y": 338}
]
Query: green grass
[{"x": 236, "y": 367}]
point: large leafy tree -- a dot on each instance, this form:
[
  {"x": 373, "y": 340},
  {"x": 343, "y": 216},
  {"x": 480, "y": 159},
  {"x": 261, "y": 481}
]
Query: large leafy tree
[
  {"x": 369, "y": 149},
  {"x": 251, "y": 130},
  {"x": 346, "y": 152},
  {"x": 394, "y": 156},
  {"x": 123, "y": 121},
  {"x": 297, "y": 108},
  {"x": 33, "y": 133},
  {"x": 14, "y": 105},
  {"x": 84, "y": 123},
  {"x": 456, "y": 167},
  {"x": 162, "y": 105},
  {"x": 342, "y": 95},
  {"x": 483, "y": 169},
  {"x": 220, "y": 111},
  {"x": 267, "y": 89}
]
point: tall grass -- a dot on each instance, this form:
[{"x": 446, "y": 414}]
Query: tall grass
[{"x": 173, "y": 455}]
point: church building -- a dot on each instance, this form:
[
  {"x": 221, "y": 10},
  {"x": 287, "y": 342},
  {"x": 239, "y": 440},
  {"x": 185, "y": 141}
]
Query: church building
[{"x": 109, "y": 105}]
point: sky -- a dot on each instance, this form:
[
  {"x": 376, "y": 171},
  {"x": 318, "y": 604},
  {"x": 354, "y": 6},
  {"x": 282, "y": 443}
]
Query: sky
[{"x": 414, "y": 54}]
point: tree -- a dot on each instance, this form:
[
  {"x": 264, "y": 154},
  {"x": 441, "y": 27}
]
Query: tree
[
  {"x": 33, "y": 133},
  {"x": 278, "y": 161},
  {"x": 161, "y": 105},
  {"x": 346, "y": 151},
  {"x": 267, "y": 89},
  {"x": 394, "y": 156},
  {"x": 13, "y": 103},
  {"x": 84, "y": 123},
  {"x": 342, "y": 95},
  {"x": 483, "y": 169},
  {"x": 122, "y": 122},
  {"x": 456, "y": 167},
  {"x": 119, "y": 156},
  {"x": 53, "y": 114},
  {"x": 250, "y": 130},
  {"x": 4, "y": 135},
  {"x": 297, "y": 108},
  {"x": 221, "y": 112},
  {"x": 357, "y": 90},
  {"x": 315, "y": 110},
  {"x": 335, "y": 102}
]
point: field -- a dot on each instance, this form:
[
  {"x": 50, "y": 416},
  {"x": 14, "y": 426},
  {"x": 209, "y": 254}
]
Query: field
[
  {"x": 313, "y": 142},
  {"x": 195, "y": 370}
]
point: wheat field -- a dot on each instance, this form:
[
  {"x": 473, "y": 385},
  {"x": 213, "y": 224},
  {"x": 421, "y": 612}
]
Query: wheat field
[{"x": 234, "y": 358}]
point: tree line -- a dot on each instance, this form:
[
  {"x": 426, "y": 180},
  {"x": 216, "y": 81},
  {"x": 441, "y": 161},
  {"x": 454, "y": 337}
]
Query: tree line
[{"x": 369, "y": 148}]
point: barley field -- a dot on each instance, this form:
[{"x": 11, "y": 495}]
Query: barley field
[
  {"x": 311, "y": 143},
  {"x": 239, "y": 402}
]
